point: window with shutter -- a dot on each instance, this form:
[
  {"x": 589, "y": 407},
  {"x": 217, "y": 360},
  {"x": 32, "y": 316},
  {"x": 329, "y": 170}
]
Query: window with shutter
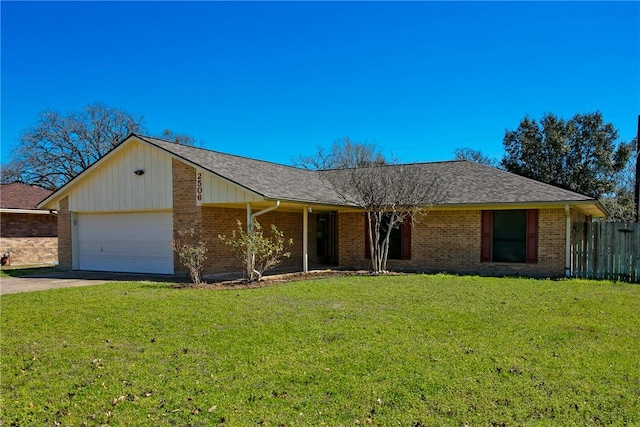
[{"x": 509, "y": 236}]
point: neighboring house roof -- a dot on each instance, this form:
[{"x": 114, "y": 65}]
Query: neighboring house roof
[
  {"x": 23, "y": 197},
  {"x": 464, "y": 182}
]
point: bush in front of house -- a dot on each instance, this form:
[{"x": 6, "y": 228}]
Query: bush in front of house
[
  {"x": 191, "y": 252},
  {"x": 257, "y": 251}
]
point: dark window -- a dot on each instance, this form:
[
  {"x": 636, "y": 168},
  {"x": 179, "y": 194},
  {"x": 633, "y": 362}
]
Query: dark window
[
  {"x": 395, "y": 241},
  {"x": 510, "y": 236},
  {"x": 399, "y": 240}
]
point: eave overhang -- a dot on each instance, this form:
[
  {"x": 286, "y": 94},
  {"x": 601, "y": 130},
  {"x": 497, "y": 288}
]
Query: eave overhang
[{"x": 27, "y": 211}]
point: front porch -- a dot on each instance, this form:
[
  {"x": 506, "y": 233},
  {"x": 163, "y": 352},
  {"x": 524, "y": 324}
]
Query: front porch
[{"x": 314, "y": 231}]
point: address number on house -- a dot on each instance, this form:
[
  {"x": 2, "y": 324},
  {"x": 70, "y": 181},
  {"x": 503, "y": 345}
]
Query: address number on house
[{"x": 199, "y": 186}]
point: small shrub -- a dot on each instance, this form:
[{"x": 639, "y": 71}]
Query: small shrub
[
  {"x": 257, "y": 252},
  {"x": 191, "y": 253}
]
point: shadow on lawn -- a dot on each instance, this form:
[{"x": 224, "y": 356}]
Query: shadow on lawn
[{"x": 22, "y": 271}]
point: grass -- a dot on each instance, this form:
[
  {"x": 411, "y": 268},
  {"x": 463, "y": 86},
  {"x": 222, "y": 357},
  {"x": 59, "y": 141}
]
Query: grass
[{"x": 404, "y": 350}]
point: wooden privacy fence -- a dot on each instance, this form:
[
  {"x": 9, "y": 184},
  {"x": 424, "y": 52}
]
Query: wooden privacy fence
[{"x": 606, "y": 250}]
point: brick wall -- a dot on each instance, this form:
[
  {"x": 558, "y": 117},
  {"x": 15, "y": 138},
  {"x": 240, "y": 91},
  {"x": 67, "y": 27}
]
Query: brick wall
[
  {"x": 31, "y": 238},
  {"x": 186, "y": 214},
  {"x": 351, "y": 241},
  {"x": 450, "y": 241},
  {"x": 64, "y": 235},
  {"x": 28, "y": 225},
  {"x": 30, "y": 250}
]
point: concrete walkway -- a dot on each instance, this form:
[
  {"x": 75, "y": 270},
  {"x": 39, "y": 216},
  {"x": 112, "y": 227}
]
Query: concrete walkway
[{"x": 69, "y": 279}]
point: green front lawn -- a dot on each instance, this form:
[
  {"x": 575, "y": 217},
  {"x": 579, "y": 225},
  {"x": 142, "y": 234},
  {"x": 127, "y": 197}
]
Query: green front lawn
[{"x": 403, "y": 350}]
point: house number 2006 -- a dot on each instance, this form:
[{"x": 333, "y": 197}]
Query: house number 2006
[{"x": 199, "y": 186}]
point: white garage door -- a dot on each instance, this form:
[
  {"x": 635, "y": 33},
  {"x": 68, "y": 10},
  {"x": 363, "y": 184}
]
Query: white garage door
[{"x": 131, "y": 242}]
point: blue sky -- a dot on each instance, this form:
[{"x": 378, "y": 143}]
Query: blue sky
[{"x": 273, "y": 80}]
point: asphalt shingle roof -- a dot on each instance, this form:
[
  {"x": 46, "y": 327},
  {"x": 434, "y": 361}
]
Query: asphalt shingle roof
[
  {"x": 271, "y": 180},
  {"x": 464, "y": 182},
  {"x": 467, "y": 182},
  {"x": 21, "y": 196}
]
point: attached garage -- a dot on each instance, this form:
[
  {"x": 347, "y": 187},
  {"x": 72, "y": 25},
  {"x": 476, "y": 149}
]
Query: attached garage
[{"x": 125, "y": 242}]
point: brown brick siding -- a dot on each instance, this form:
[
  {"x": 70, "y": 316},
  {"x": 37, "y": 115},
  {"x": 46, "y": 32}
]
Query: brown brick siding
[
  {"x": 351, "y": 241},
  {"x": 30, "y": 250},
  {"x": 28, "y": 225},
  {"x": 64, "y": 235},
  {"x": 186, "y": 214},
  {"x": 450, "y": 241},
  {"x": 31, "y": 238}
]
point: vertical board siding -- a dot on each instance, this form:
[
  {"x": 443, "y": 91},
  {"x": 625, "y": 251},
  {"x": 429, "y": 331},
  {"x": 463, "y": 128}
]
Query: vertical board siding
[
  {"x": 606, "y": 250},
  {"x": 217, "y": 190},
  {"x": 113, "y": 186}
]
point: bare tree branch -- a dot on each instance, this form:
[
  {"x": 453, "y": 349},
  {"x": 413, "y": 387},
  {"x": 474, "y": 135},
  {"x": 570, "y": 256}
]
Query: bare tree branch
[
  {"x": 388, "y": 192},
  {"x": 59, "y": 147}
]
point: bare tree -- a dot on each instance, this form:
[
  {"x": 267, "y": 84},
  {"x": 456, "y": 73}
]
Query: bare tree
[
  {"x": 475, "y": 156},
  {"x": 59, "y": 147},
  {"x": 10, "y": 172},
  {"x": 344, "y": 154},
  {"x": 178, "y": 138},
  {"x": 389, "y": 193}
]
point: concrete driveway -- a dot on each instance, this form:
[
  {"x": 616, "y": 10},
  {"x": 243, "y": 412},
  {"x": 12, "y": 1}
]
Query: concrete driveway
[{"x": 69, "y": 279}]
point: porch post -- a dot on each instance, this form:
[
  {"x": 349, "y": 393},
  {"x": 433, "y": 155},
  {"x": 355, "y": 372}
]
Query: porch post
[
  {"x": 305, "y": 239},
  {"x": 249, "y": 222}
]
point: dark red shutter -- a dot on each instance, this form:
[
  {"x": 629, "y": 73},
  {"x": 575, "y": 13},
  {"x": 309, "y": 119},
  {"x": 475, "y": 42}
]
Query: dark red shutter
[
  {"x": 405, "y": 241},
  {"x": 486, "y": 236},
  {"x": 367, "y": 247},
  {"x": 532, "y": 236}
]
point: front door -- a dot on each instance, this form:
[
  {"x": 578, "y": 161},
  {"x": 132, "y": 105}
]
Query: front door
[{"x": 326, "y": 252}]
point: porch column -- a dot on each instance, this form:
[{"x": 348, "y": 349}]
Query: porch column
[
  {"x": 249, "y": 222},
  {"x": 305, "y": 239}
]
